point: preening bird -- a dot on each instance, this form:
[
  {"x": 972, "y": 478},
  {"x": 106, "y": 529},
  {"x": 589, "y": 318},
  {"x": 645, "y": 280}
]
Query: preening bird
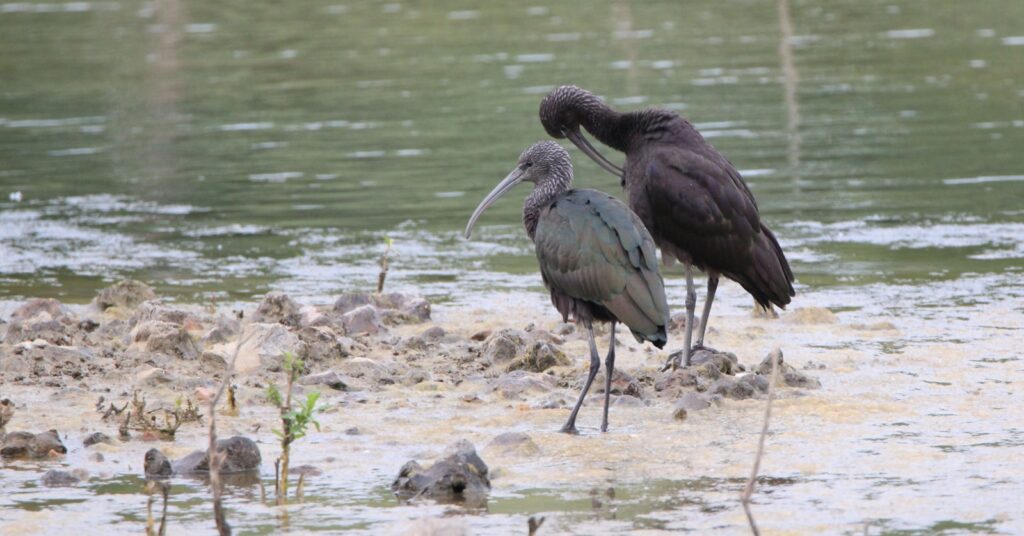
[
  {"x": 596, "y": 258},
  {"x": 690, "y": 197}
]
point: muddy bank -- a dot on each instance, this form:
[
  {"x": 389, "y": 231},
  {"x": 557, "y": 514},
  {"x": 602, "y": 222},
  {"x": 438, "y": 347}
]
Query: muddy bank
[{"x": 402, "y": 380}]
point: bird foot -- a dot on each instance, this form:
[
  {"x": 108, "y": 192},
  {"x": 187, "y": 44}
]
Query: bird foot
[
  {"x": 604, "y": 426},
  {"x": 675, "y": 360},
  {"x": 569, "y": 428}
]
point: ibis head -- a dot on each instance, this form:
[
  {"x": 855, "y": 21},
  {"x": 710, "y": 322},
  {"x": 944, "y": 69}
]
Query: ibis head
[{"x": 561, "y": 113}]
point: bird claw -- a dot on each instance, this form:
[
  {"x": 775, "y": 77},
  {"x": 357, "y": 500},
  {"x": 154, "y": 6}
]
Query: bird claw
[
  {"x": 675, "y": 360},
  {"x": 569, "y": 428}
]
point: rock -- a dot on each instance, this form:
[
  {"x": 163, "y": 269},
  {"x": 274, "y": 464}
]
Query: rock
[
  {"x": 503, "y": 346},
  {"x": 522, "y": 382},
  {"x": 566, "y": 328},
  {"x": 368, "y": 370},
  {"x": 726, "y": 362},
  {"x": 42, "y": 318},
  {"x": 362, "y": 319},
  {"x": 263, "y": 348},
  {"x": 55, "y": 478},
  {"x": 242, "y": 455},
  {"x": 43, "y": 359},
  {"x": 29, "y": 445},
  {"x": 460, "y": 476},
  {"x": 679, "y": 412},
  {"x": 677, "y": 322},
  {"x": 151, "y": 376},
  {"x": 278, "y": 307},
  {"x": 416, "y": 310},
  {"x": 321, "y": 344},
  {"x": 627, "y": 401},
  {"x": 693, "y": 402},
  {"x": 757, "y": 381},
  {"x": 513, "y": 443},
  {"x": 96, "y": 437},
  {"x": 329, "y": 378},
  {"x": 155, "y": 310},
  {"x": 480, "y": 335},
  {"x": 348, "y": 302},
  {"x": 164, "y": 337},
  {"x": 353, "y": 431},
  {"x": 433, "y": 334},
  {"x": 795, "y": 378},
  {"x": 673, "y": 382},
  {"x": 126, "y": 294},
  {"x": 223, "y": 331},
  {"x": 540, "y": 357},
  {"x": 156, "y": 464},
  {"x": 6, "y": 414},
  {"x": 765, "y": 367},
  {"x": 729, "y": 387},
  {"x": 811, "y": 315},
  {"x": 622, "y": 384}
]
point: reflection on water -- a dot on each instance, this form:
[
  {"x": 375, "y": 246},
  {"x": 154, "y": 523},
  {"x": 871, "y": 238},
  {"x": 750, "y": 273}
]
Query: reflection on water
[{"x": 218, "y": 151}]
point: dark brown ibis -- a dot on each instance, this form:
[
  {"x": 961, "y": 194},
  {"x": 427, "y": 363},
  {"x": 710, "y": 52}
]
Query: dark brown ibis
[
  {"x": 689, "y": 196},
  {"x": 596, "y": 258}
]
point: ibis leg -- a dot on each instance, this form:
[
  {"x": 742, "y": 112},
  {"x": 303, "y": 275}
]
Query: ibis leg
[
  {"x": 609, "y": 370},
  {"x": 595, "y": 364},
  {"x": 708, "y": 300},
  {"x": 691, "y": 306}
]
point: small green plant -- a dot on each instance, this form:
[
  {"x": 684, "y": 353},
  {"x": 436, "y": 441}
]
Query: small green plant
[{"x": 295, "y": 420}]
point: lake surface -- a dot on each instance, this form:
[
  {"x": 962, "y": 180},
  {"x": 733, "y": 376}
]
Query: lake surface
[{"x": 218, "y": 150}]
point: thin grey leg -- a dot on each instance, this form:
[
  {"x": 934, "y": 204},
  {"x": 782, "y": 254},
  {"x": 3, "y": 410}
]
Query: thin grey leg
[
  {"x": 691, "y": 306},
  {"x": 595, "y": 364},
  {"x": 708, "y": 300},
  {"x": 609, "y": 370}
]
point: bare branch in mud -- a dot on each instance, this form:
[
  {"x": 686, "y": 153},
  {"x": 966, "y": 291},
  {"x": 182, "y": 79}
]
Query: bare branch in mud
[
  {"x": 748, "y": 490},
  {"x": 217, "y": 458},
  {"x": 383, "y": 262}
]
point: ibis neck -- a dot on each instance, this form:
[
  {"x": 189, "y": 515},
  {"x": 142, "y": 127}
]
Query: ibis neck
[
  {"x": 543, "y": 194},
  {"x": 604, "y": 123}
]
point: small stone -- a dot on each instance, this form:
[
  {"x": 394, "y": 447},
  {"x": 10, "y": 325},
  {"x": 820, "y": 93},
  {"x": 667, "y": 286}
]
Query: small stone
[
  {"x": 566, "y": 328},
  {"x": 348, "y": 302},
  {"x": 513, "y": 443},
  {"x": 322, "y": 344},
  {"x": 757, "y": 381},
  {"x": 433, "y": 334},
  {"x": 329, "y": 378},
  {"x": 264, "y": 344},
  {"x": 55, "y": 478},
  {"x": 693, "y": 401},
  {"x": 679, "y": 412},
  {"x": 798, "y": 379},
  {"x": 480, "y": 335},
  {"x": 97, "y": 457},
  {"x": 627, "y": 401},
  {"x": 164, "y": 337},
  {"x": 765, "y": 367},
  {"x": 503, "y": 346},
  {"x": 241, "y": 455},
  {"x": 126, "y": 294},
  {"x": 540, "y": 357},
  {"x": 362, "y": 319},
  {"x": 460, "y": 476},
  {"x": 520, "y": 382},
  {"x": 96, "y": 437},
  {"x": 149, "y": 375},
  {"x": 729, "y": 387},
  {"x": 416, "y": 310},
  {"x": 278, "y": 307},
  {"x": 353, "y": 431},
  {"x": 622, "y": 383}
]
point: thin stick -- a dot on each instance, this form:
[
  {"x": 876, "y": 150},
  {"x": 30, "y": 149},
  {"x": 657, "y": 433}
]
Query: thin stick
[
  {"x": 216, "y": 458},
  {"x": 383, "y": 266},
  {"x": 748, "y": 490},
  {"x": 165, "y": 488}
]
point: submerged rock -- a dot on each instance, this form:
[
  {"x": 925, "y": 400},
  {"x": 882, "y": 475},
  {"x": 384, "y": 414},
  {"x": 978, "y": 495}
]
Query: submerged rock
[
  {"x": 55, "y": 478},
  {"x": 789, "y": 375},
  {"x": 241, "y": 455},
  {"x": 460, "y": 476},
  {"x": 29, "y": 445},
  {"x": 126, "y": 294},
  {"x": 278, "y": 307},
  {"x": 96, "y": 437}
]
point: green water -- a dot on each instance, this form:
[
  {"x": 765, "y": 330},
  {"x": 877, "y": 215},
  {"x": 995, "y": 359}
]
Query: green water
[{"x": 221, "y": 149}]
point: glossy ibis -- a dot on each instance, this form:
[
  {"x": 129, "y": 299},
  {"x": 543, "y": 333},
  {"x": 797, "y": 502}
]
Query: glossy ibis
[
  {"x": 690, "y": 197},
  {"x": 596, "y": 258}
]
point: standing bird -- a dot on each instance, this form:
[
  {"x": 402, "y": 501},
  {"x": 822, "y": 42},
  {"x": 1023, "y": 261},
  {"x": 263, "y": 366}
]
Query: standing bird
[
  {"x": 596, "y": 257},
  {"x": 690, "y": 197}
]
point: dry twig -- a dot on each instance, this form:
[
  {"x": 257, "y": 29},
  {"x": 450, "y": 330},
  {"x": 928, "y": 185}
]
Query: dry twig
[
  {"x": 217, "y": 458},
  {"x": 748, "y": 490}
]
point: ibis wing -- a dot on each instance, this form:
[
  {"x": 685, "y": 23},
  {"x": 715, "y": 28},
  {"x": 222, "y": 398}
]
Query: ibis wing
[{"x": 591, "y": 247}]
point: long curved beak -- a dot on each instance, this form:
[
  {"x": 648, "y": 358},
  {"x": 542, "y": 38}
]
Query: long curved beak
[
  {"x": 579, "y": 141},
  {"x": 505, "y": 185}
]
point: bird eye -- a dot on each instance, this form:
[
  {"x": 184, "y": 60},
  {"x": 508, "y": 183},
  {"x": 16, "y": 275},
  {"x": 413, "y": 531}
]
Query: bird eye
[{"x": 527, "y": 165}]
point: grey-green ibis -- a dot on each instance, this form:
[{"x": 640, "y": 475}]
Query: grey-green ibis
[{"x": 596, "y": 258}]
